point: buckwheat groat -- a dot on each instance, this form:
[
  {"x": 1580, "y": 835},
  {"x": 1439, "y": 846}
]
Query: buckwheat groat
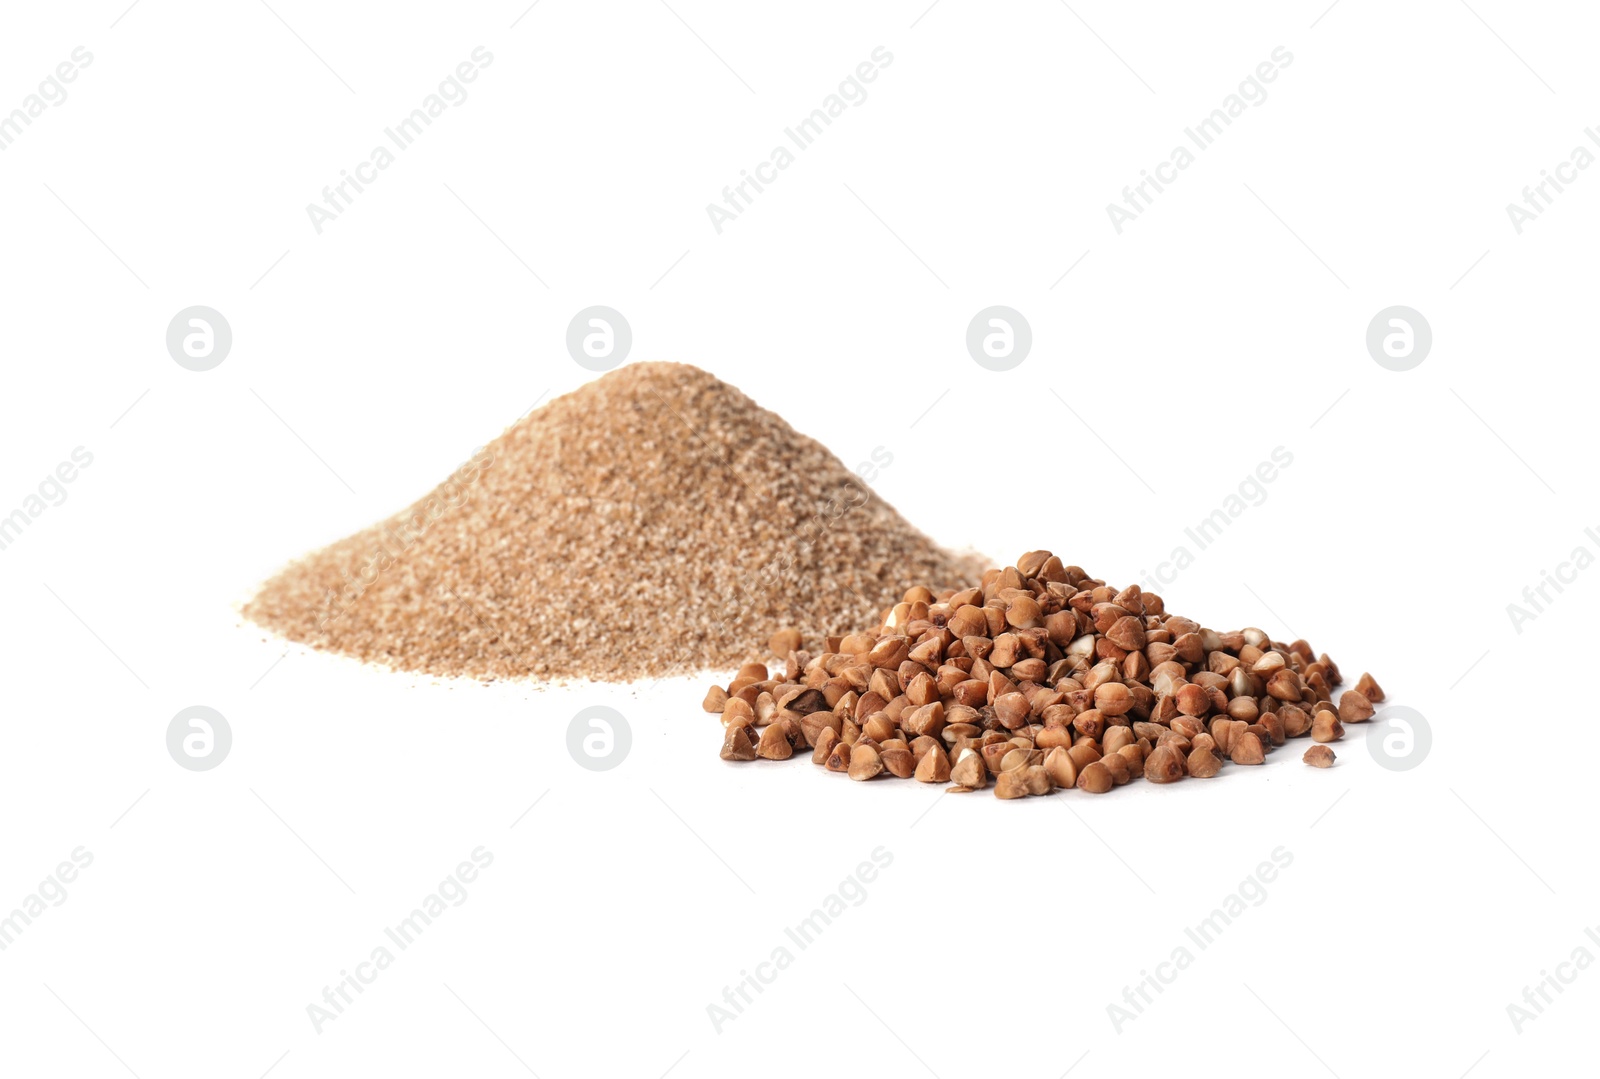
[{"x": 1043, "y": 678}]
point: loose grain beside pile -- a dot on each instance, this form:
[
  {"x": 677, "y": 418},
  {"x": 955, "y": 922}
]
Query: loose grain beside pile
[
  {"x": 650, "y": 522},
  {"x": 1040, "y": 677}
]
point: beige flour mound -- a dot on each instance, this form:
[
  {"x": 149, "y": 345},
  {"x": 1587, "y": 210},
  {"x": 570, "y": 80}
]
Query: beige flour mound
[{"x": 655, "y": 521}]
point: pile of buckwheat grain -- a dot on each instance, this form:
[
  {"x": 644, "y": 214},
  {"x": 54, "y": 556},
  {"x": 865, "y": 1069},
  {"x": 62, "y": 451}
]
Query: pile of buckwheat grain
[
  {"x": 1041, "y": 677},
  {"x": 650, "y": 522}
]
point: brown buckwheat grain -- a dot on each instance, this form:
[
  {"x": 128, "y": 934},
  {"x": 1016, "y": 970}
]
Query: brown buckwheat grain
[{"x": 1041, "y": 677}]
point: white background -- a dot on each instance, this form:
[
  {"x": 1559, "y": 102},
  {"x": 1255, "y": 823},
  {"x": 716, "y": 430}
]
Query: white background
[{"x": 369, "y": 360}]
